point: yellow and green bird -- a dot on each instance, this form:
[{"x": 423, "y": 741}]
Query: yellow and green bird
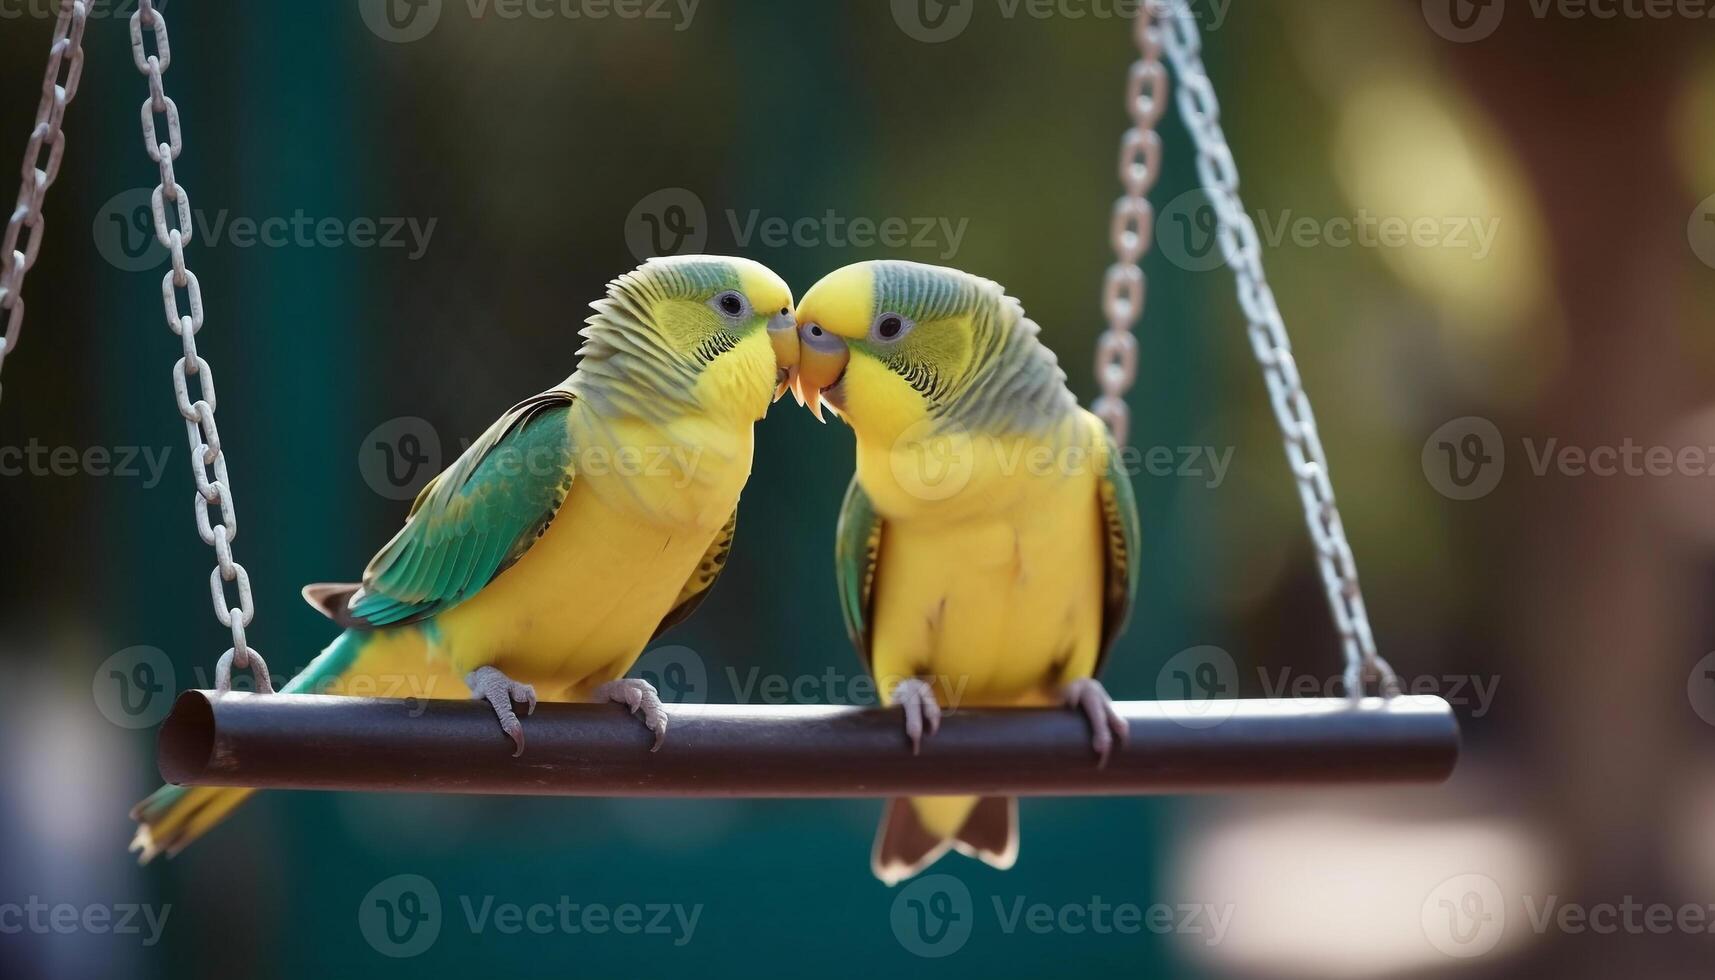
[
  {"x": 987, "y": 549},
  {"x": 583, "y": 523}
]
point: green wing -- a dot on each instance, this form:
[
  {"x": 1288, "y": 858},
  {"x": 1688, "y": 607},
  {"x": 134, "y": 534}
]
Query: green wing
[
  {"x": 702, "y": 578},
  {"x": 1122, "y": 551},
  {"x": 474, "y": 520},
  {"x": 857, "y": 548}
]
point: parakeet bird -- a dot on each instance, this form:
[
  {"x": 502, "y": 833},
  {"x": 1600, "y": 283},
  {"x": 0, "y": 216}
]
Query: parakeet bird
[
  {"x": 583, "y": 523},
  {"x": 987, "y": 549}
]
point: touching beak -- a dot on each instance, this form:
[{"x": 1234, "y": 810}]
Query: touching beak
[
  {"x": 783, "y": 337},
  {"x": 822, "y": 363}
]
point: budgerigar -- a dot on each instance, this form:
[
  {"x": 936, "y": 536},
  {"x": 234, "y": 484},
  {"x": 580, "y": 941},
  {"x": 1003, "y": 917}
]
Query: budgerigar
[
  {"x": 987, "y": 549},
  {"x": 583, "y": 523}
]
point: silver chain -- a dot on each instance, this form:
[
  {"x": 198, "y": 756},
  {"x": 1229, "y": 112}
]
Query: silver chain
[
  {"x": 1242, "y": 250},
  {"x": 1132, "y": 229},
  {"x": 198, "y": 411},
  {"x": 66, "y": 52}
]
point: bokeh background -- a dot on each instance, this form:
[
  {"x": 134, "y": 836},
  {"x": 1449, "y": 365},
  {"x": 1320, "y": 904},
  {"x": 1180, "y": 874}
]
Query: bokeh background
[{"x": 1558, "y": 158}]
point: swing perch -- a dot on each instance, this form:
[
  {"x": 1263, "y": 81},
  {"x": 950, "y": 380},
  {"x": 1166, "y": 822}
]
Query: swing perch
[{"x": 268, "y": 740}]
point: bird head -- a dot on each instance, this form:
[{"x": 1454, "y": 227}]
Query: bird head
[
  {"x": 715, "y": 331},
  {"x": 888, "y": 345}
]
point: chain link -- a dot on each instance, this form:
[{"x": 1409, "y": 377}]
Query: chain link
[
  {"x": 174, "y": 229},
  {"x": 1132, "y": 229},
  {"x": 1240, "y": 246},
  {"x": 66, "y": 52}
]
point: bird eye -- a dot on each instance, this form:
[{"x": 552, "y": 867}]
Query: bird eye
[
  {"x": 891, "y": 326},
  {"x": 731, "y": 304}
]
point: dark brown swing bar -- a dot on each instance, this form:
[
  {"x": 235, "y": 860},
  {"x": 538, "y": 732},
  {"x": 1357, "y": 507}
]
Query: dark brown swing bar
[{"x": 338, "y": 743}]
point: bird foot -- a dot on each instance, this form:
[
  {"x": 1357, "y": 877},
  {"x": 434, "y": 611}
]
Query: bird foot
[
  {"x": 489, "y": 684},
  {"x": 917, "y": 698},
  {"x": 1107, "y": 725},
  {"x": 639, "y": 696}
]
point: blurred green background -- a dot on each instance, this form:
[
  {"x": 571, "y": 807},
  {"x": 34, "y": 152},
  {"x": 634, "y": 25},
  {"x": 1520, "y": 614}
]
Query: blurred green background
[{"x": 531, "y": 146}]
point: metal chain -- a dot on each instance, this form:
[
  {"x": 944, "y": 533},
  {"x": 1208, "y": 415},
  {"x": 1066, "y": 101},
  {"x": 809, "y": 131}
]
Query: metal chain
[
  {"x": 1242, "y": 250},
  {"x": 198, "y": 411},
  {"x": 1132, "y": 229},
  {"x": 66, "y": 52}
]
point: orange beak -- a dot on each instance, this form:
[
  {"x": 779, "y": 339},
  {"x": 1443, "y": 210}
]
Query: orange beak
[
  {"x": 783, "y": 337},
  {"x": 822, "y": 363}
]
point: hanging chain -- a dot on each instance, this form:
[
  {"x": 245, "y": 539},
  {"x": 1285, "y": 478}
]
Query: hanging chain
[
  {"x": 1133, "y": 228},
  {"x": 200, "y": 428},
  {"x": 1242, "y": 250},
  {"x": 66, "y": 52}
]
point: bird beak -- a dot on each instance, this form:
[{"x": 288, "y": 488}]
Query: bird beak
[
  {"x": 822, "y": 363},
  {"x": 783, "y": 337}
]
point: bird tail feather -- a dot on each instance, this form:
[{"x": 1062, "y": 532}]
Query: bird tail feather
[
  {"x": 174, "y": 816},
  {"x": 915, "y": 833}
]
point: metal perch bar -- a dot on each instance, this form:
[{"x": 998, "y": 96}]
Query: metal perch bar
[{"x": 338, "y": 743}]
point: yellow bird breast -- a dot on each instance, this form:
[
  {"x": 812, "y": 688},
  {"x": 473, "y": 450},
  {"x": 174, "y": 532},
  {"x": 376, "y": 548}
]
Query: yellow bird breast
[
  {"x": 995, "y": 589},
  {"x": 576, "y": 610}
]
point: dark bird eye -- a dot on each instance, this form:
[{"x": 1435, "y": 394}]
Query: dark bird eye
[
  {"x": 890, "y": 326},
  {"x": 815, "y": 330},
  {"x": 731, "y": 305}
]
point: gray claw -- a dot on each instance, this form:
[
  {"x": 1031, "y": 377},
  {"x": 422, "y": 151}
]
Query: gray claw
[
  {"x": 639, "y": 696},
  {"x": 917, "y": 699},
  {"x": 1107, "y": 725},
  {"x": 489, "y": 684}
]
